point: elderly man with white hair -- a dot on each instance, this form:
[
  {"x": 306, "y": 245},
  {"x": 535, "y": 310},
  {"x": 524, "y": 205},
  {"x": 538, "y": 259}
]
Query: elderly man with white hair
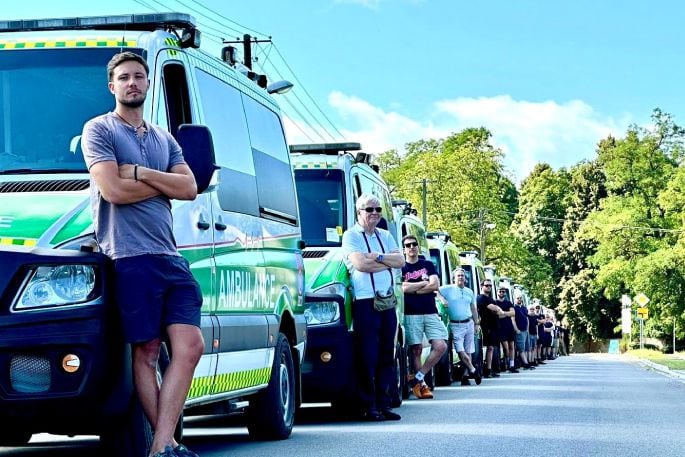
[{"x": 370, "y": 255}]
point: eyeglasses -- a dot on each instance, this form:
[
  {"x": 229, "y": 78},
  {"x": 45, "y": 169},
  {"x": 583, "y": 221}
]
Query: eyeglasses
[
  {"x": 411, "y": 245},
  {"x": 378, "y": 209},
  {"x": 487, "y": 285}
]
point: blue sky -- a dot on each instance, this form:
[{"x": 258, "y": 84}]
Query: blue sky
[{"x": 548, "y": 78}]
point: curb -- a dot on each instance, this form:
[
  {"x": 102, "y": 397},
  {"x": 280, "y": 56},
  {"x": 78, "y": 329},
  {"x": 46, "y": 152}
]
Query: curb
[{"x": 662, "y": 369}]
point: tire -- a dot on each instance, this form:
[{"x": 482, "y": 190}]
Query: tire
[
  {"x": 130, "y": 435},
  {"x": 271, "y": 413},
  {"x": 11, "y": 436},
  {"x": 443, "y": 369},
  {"x": 399, "y": 390}
]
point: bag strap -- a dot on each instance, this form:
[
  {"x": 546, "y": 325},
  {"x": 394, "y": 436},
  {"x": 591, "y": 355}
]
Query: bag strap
[{"x": 378, "y": 236}]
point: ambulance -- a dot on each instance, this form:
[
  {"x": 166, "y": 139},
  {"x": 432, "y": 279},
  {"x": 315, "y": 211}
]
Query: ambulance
[
  {"x": 64, "y": 368},
  {"x": 329, "y": 179}
]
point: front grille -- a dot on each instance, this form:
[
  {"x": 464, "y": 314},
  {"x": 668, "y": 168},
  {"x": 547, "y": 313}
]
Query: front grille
[
  {"x": 29, "y": 374},
  {"x": 313, "y": 254},
  {"x": 50, "y": 185}
]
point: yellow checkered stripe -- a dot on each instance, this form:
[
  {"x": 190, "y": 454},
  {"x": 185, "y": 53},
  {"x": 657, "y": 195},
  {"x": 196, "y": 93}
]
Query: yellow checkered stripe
[
  {"x": 172, "y": 42},
  {"x": 66, "y": 44},
  {"x": 314, "y": 166},
  {"x": 228, "y": 382},
  {"x": 18, "y": 241}
]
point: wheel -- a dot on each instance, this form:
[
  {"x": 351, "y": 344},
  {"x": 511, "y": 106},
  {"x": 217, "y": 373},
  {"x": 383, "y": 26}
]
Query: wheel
[
  {"x": 443, "y": 369},
  {"x": 130, "y": 435},
  {"x": 12, "y": 436},
  {"x": 271, "y": 413},
  {"x": 399, "y": 390}
]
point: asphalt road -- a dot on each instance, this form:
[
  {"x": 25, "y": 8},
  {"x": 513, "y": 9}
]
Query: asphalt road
[{"x": 583, "y": 405}]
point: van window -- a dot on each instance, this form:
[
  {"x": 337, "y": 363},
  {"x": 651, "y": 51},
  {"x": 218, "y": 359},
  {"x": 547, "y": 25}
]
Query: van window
[
  {"x": 224, "y": 115},
  {"x": 177, "y": 98},
  {"x": 275, "y": 183},
  {"x": 321, "y": 195},
  {"x": 223, "y": 112}
]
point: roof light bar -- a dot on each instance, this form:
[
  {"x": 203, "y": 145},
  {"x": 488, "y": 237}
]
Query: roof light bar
[
  {"x": 137, "y": 22},
  {"x": 325, "y": 148}
]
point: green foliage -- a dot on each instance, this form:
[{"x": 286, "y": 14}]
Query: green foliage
[{"x": 579, "y": 238}]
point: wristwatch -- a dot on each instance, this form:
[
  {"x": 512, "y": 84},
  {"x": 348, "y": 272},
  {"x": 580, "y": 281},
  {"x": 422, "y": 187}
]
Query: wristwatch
[{"x": 379, "y": 259}]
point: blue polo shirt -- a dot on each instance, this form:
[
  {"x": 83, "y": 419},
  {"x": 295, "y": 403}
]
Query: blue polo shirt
[{"x": 459, "y": 300}]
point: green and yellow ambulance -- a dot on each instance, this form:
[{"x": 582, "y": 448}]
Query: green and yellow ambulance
[
  {"x": 329, "y": 179},
  {"x": 63, "y": 365}
]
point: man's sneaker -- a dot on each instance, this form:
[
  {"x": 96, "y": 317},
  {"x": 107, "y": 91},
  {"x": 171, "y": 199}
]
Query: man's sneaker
[
  {"x": 182, "y": 451},
  {"x": 465, "y": 381},
  {"x": 426, "y": 392},
  {"x": 167, "y": 452},
  {"x": 373, "y": 416},
  {"x": 390, "y": 416},
  {"x": 476, "y": 377},
  {"x": 416, "y": 389}
]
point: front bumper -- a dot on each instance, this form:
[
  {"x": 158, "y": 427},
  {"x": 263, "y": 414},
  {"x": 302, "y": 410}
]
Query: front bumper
[{"x": 37, "y": 392}]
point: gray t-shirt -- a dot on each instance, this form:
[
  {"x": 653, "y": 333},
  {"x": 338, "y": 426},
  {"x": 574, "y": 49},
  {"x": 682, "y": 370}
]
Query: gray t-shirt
[{"x": 145, "y": 227}]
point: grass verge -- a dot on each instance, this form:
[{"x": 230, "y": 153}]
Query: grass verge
[{"x": 672, "y": 361}]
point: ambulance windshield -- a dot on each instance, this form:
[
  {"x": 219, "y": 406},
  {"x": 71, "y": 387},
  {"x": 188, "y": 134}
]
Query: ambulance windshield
[
  {"x": 321, "y": 198},
  {"x": 46, "y": 96}
]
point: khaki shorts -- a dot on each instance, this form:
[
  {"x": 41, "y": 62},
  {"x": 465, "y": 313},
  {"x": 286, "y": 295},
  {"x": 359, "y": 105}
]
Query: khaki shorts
[
  {"x": 463, "y": 334},
  {"x": 429, "y": 324}
]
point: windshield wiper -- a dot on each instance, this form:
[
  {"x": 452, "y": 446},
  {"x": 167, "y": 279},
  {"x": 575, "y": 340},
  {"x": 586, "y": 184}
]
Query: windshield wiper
[{"x": 37, "y": 171}]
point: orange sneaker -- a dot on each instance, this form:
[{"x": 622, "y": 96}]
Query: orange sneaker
[
  {"x": 416, "y": 389},
  {"x": 425, "y": 391}
]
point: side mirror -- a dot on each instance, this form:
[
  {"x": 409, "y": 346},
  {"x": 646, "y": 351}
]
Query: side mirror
[{"x": 198, "y": 152}]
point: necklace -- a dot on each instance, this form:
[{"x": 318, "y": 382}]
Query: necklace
[{"x": 141, "y": 126}]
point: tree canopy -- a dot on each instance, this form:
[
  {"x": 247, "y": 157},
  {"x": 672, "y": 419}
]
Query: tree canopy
[{"x": 578, "y": 238}]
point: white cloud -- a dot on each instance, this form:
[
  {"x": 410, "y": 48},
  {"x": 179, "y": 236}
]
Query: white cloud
[
  {"x": 533, "y": 132},
  {"x": 560, "y": 134}
]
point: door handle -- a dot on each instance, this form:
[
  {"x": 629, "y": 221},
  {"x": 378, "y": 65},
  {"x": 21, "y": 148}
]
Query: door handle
[
  {"x": 220, "y": 226},
  {"x": 202, "y": 225}
]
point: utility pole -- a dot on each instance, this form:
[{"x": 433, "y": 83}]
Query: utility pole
[{"x": 247, "y": 50}]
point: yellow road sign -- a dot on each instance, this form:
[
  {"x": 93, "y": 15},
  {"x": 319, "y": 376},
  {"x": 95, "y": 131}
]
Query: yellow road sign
[
  {"x": 642, "y": 313},
  {"x": 641, "y": 299}
]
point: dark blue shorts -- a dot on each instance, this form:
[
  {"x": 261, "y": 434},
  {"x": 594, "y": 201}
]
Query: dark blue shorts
[{"x": 153, "y": 292}]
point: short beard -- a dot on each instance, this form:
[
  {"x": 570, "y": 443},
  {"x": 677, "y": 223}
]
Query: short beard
[{"x": 133, "y": 103}]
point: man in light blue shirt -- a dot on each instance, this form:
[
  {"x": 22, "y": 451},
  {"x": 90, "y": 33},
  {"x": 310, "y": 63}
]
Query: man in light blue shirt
[{"x": 461, "y": 307}]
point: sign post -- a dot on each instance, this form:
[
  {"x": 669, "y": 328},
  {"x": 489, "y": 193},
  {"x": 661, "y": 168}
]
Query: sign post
[{"x": 642, "y": 314}]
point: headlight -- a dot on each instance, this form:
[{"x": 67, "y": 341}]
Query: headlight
[
  {"x": 323, "y": 308},
  {"x": 56, "y": 285},
  {"x": 321, "y": 312}
]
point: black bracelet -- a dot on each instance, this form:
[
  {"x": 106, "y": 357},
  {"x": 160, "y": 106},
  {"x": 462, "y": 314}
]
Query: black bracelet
[{"x": 135, "y": 172}]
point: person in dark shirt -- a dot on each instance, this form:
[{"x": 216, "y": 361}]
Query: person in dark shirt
[
  {"x": 419, "y": 284},
  {"x": 506, "y": 328},
  {"x": 547, "y": 335},
  {"x": 521, "y": 329},
  {"x": 489, "y": 314},
  {"x": 541, "y": 334},
  {"x": 533, "y": 335}
]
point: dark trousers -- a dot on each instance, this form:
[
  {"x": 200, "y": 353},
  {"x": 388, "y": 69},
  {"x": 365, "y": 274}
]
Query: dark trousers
[{"x": 374, "y": 333}]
